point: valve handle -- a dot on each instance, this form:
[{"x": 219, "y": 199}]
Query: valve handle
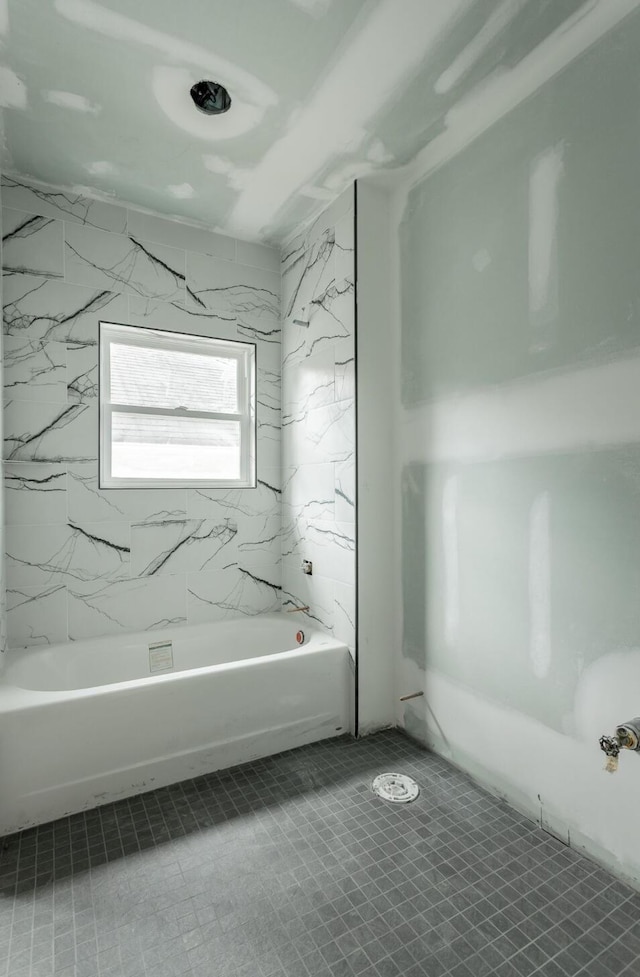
[{"x": 610, "y": 745}]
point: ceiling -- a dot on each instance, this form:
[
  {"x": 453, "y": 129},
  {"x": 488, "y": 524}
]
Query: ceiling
[{"x": 96, "y": 94}]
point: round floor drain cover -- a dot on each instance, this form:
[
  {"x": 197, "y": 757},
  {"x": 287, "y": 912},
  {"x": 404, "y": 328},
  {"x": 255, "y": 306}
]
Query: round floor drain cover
[{"x": 396, "y": 787}]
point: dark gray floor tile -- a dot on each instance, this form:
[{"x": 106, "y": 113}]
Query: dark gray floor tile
[{"x": 289, "y": 867}]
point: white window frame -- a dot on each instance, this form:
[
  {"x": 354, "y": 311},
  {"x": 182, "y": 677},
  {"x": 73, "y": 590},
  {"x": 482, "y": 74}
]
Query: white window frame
[{"x": 245, "y": 357}]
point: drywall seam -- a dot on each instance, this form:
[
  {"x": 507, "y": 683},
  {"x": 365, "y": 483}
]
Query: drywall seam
[
  {"x": 463, "y": 63},
  {"x": 320, "y": 134},
  {"x": 544, "y": 189},
  {"x": 484, "y": 106},
  {"x": 582, "y": 408}
]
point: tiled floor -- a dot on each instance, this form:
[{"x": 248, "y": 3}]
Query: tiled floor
[{"x": 289, "y": 866}]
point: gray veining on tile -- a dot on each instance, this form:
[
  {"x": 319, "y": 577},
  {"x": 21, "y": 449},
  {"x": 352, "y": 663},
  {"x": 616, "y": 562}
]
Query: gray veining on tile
[
  {"x": 32, "y": 244},
  {"x": 124, "y": 264},
  {"x": 63, "y": 205},
  {"x": 177, "y": 547},
  {"x": 318, "y": 419}
]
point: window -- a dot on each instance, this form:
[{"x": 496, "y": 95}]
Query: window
[{"x": 175, "y": 410}]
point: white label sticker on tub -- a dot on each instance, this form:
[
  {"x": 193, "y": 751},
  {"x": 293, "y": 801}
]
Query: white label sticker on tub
[{"x": 160, "y": 656}]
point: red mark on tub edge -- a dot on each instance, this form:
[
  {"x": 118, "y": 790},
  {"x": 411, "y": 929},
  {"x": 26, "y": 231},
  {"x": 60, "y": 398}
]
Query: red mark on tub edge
[{"x": 300, "y": 637}]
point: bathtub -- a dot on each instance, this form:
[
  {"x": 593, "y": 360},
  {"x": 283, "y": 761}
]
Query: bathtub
[{"x": 89, "y": 722}]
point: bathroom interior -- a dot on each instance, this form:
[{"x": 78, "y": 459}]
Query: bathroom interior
[{"x": 320, "y": 509}]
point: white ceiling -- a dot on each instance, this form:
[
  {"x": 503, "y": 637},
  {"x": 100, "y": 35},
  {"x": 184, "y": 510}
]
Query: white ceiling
[{"x": 96, "y": 94}]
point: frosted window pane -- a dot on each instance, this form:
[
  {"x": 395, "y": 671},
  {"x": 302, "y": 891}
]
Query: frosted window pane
[
  {"x": 145, "y": 446},
  {"x": 170, "y": 378}
]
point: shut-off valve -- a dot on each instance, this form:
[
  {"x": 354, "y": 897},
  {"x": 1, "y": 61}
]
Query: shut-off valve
[{"x": 626, "y": 737}]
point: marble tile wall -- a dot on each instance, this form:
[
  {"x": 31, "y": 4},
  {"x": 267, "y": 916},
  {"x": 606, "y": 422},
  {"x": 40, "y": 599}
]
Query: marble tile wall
[
  {"x": 82, "y": 562},
  {"x": 3, "y": 589},
  {"x": 318, "y": 419}
]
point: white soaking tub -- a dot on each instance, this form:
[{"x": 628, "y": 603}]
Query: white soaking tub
[{"x": 85, "y": 723}]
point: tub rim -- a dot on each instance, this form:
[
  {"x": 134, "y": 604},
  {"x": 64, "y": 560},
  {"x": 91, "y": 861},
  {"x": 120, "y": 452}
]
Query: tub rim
[{"x": 44, "y": 696}]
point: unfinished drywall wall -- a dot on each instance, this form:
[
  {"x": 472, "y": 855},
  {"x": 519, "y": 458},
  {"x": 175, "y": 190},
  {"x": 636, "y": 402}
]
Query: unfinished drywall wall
[{"x": 519, "y": 434}]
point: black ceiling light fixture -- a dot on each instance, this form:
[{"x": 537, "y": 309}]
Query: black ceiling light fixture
[{"x": 210, "y": 97}]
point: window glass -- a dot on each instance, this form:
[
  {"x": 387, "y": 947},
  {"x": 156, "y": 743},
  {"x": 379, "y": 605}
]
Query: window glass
[{"x": 175, "y": 409}]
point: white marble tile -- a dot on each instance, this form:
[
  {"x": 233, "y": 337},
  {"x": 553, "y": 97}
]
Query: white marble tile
[
  {"x": 255, "y": 514},
  {"x": 292, "y": 249},
  {"x": 35, "y": 493},
  {"x": 89, "y": 503},
  {"x": 310, "y": 492},
  {"x": 36, "y": 558},
  {"x": 345, "y": 489},
  {"x": 269, "y": 450},
  {"x": 271, "y": 479},
  {"x": 329, "y": 545},
  {"x": 50, "y": 432},
  {"x": 268, "y": 355},
  {"x": 295, "y": 244},
  {"x": 31, "y": 244},
  {"x": 253, "y": 446},
  {"x": 35, "y": 370},
  {"x": 250, "y": 295},
  {"x": 344, "y": 621},
  {"x": 308, "y": 384},
  {"x": 67, "y": 553},
  {"x": 82, "y": 373},
  {"x": 234, "y": 592},
  {"x": 262, "y": 547},
  {"x": 175, "y": 234},
  {"x": 121, "y": 557},
  {"x": 346, "y": 376},
  {"x": 331, "y": 316},
  {"x": 100, "y": 551},
  {"x": 332, "y": 548},
  {"x": 132, "y": 605},
  {"x": 269, "y": 389},
  {"x": 318, "y": 426},
  {"x": 156, "y": 314},
  {"x": 315, "y": 592},
  {"x": 124, "y": 264},
  {"x": 345, "y": 248},
  {"x": 322, "y": 435},
  {"x": 327, "y": 220},
  {"x": 178, "y": 546},
  {"x": 36, "y": 615},
  {"x": 306, "y": 274},
  {"x": 257, "y": 256},
  {"x": 54, "y": 311},
  {"x": 293, "y": 529},
  {"x": 62, "y": 204}
]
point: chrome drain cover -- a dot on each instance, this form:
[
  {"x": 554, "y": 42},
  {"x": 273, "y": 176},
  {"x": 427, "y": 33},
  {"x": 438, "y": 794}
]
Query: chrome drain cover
[{"x": 395, "y": 787}]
